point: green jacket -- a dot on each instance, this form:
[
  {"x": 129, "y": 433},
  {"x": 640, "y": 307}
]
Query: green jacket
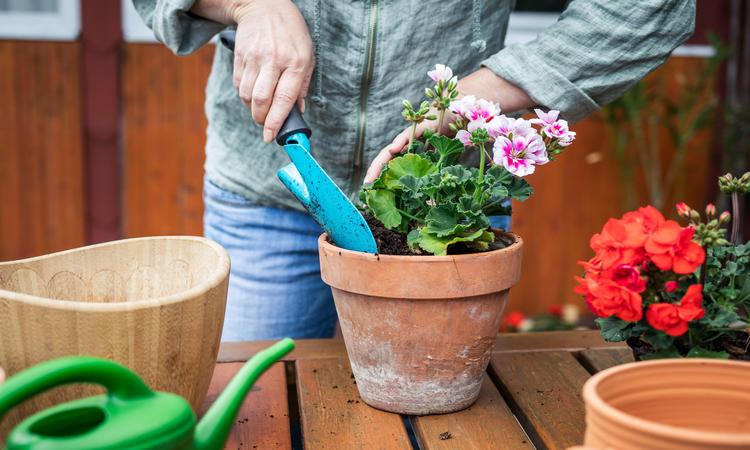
[{"x": 371, "y": 54}]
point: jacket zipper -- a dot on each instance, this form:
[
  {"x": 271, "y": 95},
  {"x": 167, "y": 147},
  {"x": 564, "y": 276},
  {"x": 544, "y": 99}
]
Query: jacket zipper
[{"x": 366, "y": 77}]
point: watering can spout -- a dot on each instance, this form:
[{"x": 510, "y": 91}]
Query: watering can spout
[{"x": 213, "y": 429}]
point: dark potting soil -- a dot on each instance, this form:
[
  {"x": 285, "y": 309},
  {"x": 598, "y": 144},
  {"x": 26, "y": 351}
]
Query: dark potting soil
[
  {"x": 390, "y": 242},
  {"x": 737, "y": 347}
]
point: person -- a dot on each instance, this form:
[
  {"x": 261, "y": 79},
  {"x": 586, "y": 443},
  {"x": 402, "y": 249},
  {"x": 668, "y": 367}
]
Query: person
[{"x": 348, "y": 65}]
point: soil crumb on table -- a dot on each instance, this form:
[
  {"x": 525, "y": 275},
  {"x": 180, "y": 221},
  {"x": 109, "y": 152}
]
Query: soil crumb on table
[{"x": 445, "y": 436}]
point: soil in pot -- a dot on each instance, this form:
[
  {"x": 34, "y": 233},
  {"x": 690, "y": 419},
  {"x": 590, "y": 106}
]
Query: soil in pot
[
  {"x": 390, "y": 242},
  {"x": 738, "y": 347}
]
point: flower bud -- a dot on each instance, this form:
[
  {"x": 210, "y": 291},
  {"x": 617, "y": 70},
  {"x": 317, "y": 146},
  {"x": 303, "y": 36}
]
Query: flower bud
[
  {"x": 710, "y": 210},
  {"x": 725, "y": 217},
  {"x": 683, "y": 210},
  {"x": 431, "y": 117},
  {"x": 745, "y": 178},
  {"x": 407, "y": 104},
  {"x": 428, "y": 93},
  {"x": 670, "y": 286},
  {"x": 694, "y": 216}
]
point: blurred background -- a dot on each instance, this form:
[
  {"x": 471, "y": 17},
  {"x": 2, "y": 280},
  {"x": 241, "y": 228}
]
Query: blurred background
[{"x": 102, "y": 135}]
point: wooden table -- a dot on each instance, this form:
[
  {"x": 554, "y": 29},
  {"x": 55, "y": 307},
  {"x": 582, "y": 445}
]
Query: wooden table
[{"x": 530, "y": 398}]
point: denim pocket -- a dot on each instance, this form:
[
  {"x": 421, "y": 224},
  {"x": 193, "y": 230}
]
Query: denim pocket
[{"x": 213, "y": 193}]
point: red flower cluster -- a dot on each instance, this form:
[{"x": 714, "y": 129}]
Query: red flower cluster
[{"x": 617, "y": 274}]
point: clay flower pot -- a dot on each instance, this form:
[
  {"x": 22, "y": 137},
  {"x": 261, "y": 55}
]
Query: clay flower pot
[
  {"x": 153, "y": 304},
  {"x": 669, "y": 404},
  {"x": 419, "y": 330}
]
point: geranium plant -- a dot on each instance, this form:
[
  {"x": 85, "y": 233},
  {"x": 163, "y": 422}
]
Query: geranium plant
[
  {"x": 436, "y": 202},
  {"x": 673, "y": 290}
]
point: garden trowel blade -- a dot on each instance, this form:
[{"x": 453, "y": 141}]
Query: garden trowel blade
[{"x": 325, "y": 201}]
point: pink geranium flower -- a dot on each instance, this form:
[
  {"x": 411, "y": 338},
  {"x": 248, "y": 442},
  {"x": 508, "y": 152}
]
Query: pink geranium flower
[
  {"x": 441, "y": 73},
  {"x": 465, "y": 137},
  {"x": 473, "y": 109},
  {"x": 545, "y": 118},
  {"x": 521, "y": 154}
]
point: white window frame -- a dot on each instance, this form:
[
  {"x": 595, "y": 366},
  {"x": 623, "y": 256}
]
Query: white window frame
[
  {"x": 525, "y": 26},
  {"x": 133, "y": 28},
  {"x": 63, "y": 25}
]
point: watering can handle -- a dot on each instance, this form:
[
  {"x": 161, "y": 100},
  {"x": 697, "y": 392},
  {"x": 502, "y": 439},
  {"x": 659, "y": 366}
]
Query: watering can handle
[
  {"x": 294, "y": 122},
  {"x": 119, "y": 381}
]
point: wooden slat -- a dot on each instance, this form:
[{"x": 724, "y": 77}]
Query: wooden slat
[
  {"x": 487, "y": 424},
  {"x": 599, "y": 359},
  {"x": 551, "y": 340},
  {"x": 41, "y": 149},
  {"x": 303, "y": 349},
  {"x": 263, "y": 420},
  {"x": 333, "y": 415},
  {"x": 545, "y": 388},
  {"x": 511, "y": 342}
]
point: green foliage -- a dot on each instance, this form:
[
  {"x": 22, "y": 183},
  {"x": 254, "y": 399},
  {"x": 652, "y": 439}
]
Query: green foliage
[{"x": 438, "y": 203}]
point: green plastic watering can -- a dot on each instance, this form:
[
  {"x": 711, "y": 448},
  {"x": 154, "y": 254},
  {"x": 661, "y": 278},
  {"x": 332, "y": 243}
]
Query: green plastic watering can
[{"x": 130, "y": 415}]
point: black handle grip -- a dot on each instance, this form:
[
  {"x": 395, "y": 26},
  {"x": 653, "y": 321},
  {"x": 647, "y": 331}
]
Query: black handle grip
[{"x": 294, "y": 122}]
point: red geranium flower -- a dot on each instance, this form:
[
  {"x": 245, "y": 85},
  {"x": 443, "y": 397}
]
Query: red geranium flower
[
  {"x": 628, "y": 276},
  {"x": 605, "y": 298},
  {"x": 673, "y": 319},
  {"x": 671, "y": 247},
  {"x": 514, "y": 319},
  {"x": 618, "y": 243}
]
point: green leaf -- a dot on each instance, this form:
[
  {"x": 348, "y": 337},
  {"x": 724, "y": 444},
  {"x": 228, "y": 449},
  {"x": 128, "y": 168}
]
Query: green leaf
[
  {"x": 700, "y": 352},
  {"x": 519, "y": 189},
  {"x": 614, "y": 329},
  {"x": 382, "y": 203},
  {"x": 669, "y": 352},
  {"x": 448, "y": 149},
  {"x": 412, "y": 239},
  {"x": 442, "y": 221},
  {"x": 409, "y": 164},
  {"x": 439, "y": 245},
  {"x": 658, "y": 339}
]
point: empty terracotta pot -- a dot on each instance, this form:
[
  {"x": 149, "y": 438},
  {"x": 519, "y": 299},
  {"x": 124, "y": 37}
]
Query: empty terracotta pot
[
  {"x": 419, "y": 330},
  {"x": 669, "y": 404},
  {"x": 153, "y": 304}
]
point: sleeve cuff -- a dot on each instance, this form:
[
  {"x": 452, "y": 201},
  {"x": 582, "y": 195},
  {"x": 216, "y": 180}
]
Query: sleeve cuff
[
  {"x": 178, "y": 29},
  {"x": 520, "y": 65}
]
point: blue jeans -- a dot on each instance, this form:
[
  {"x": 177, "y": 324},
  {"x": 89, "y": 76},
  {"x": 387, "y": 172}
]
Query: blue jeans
[{"x": 275, "y": 288}]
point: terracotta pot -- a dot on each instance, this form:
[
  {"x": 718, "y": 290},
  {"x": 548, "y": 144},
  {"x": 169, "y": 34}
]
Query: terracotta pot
[
  {"x": 669, "y": 404},
  {"x": 153, "y": 304},
  {"x": 419, "y": 330}
]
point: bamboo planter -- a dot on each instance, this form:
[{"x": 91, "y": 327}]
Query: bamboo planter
[
  {"x": 419, "y": 330},
  {"x": 153, "y": 304}
]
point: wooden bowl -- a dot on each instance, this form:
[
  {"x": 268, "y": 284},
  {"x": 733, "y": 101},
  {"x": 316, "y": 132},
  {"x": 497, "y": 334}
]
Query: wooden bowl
[{"x": 153, "y": 304}]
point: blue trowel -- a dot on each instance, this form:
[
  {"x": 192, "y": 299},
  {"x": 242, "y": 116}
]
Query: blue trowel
[{"x": 312, "y": 186}]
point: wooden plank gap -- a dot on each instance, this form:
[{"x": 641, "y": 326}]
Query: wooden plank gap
[
  {"x": 596, "y": 360},
  {"x": 521, "y": 417}
]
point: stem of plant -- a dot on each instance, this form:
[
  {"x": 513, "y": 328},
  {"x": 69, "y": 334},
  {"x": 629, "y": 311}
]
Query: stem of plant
[
  {"x": 480, "y": 176},
  {"x": 441, "y": 117},
  {"x": 735, "y": 218},
  {"x": 411, "y": 137}
]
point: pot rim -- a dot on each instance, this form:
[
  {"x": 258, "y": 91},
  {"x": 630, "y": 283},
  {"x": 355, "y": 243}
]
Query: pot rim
[
  {"x": 323, "y": 242},
  {"x": 594, "y": 401},
  {"x": 214, "y": 279}
]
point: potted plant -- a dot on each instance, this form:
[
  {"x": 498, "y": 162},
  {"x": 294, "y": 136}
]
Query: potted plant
[
  {"x": 672, "y": 290},
  {"x": 420, "y": 318}
]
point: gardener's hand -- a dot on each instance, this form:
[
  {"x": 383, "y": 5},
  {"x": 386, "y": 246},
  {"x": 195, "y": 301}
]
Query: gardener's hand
[
  {"x": 483, "y": 84},
  {"x": 273, "y": 60},
  {"x": 401, "y": 141}
]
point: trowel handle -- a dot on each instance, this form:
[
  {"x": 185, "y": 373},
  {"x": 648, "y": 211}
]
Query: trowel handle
[
  {"x": 294, "y": 123},
  {"x": 119, "y": 381}
]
